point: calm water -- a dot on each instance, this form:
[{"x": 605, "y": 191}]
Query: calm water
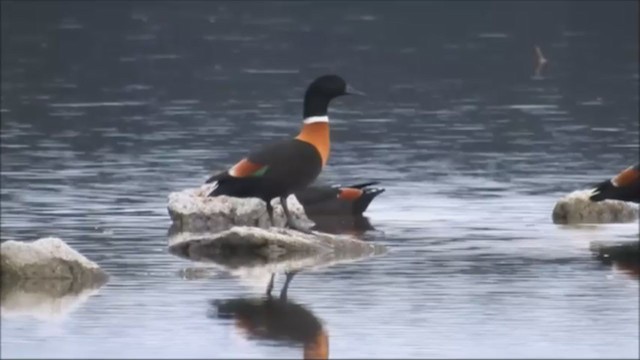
[{"x": 107, "y": 108}]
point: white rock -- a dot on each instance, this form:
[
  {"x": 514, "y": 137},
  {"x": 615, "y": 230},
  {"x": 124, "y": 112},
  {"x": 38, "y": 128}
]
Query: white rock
[
  {"x": 577, "y": 208},
  {"x": 47, "y": 258},
  {"x": 192, "y": 210}
]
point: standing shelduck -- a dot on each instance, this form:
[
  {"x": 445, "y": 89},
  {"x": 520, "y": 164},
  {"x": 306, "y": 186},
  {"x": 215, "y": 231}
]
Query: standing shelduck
[{"x": 284, "y": 167}]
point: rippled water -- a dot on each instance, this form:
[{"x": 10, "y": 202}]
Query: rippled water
[{"x": 106, "y": 109}]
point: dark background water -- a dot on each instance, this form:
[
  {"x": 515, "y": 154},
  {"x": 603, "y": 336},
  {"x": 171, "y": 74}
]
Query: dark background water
[{"x": 107, "y": 107}]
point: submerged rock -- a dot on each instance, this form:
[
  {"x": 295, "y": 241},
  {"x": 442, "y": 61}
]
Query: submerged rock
[
  {"x": 273, "y": 250},
  {"x": 47, "y": 258},
  {"x": 577, "y": 208},
  {"x": 192, "y": 210}
]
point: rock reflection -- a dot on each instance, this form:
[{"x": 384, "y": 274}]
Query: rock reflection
[
  {"x": 243, "y": 251},
  {"x": 47, "y": 299},
  {"x": 277, "y": 319}
]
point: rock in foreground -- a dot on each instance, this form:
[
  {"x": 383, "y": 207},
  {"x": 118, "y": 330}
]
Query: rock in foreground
[
  {"x": 192, "y": 210},
  {"x": 577, "y": 208},
  {"x": 47, "y": 258},
  {"x": 273, "y": 250}
]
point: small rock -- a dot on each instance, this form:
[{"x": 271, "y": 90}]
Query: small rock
[
  {"x": 47, "y": 258},
  {"x": 192, "y": 210},
  {"x": 577, "y": 208}
]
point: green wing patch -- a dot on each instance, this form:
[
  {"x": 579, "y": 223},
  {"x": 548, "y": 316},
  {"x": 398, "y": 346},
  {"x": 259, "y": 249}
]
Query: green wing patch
[{"x": 261, "y": 171}]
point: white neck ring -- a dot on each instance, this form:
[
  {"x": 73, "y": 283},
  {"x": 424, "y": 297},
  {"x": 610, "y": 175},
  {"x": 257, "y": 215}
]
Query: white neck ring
[{"x": 316, "y": 119}]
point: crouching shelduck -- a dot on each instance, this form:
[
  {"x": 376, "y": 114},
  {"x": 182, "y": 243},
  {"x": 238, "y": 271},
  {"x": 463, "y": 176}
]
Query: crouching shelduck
[
  {"x": 284, "y": 167},
  {"x": 625, "y": 186},
  {"x": 338, "y": 200}
]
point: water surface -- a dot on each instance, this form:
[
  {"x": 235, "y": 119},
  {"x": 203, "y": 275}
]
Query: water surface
[{"x": 107, "y": 108}]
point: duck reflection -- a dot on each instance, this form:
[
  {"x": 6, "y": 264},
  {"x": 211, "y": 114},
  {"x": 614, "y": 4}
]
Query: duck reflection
[
  {"x": 631, "y": 268},
  {"x": 355, "y": 225},
  {"x": 277, "y": 319},
  {"x": 626, "y": 265},
  {"x": 623, "y": 256}
]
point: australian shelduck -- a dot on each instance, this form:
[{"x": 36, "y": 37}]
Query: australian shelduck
[
  {"x": 281, "y": 168},
  {"x": 338, "y": 200}
]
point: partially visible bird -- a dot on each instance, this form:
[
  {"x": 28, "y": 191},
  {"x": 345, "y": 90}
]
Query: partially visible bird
[
  {"x": 625, "y": 186},
  {"x": 338, "y": 200},
  {"x": 281, "y": 168}
]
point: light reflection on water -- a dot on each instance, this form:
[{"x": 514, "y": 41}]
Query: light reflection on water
[{"x": 473, "y": 157}]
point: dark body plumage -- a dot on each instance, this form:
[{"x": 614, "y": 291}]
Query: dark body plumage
[{"x": 290, "y": 165}]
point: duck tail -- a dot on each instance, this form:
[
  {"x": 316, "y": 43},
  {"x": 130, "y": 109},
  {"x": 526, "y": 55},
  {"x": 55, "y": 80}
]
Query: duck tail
[
  {"x": 217, "y": 177},
  {"x": 362, "y": 203},
  {"x": 602, "y": 191},
  {"x": 363, "y": 185},
  {"x": 360, "y": 195}
]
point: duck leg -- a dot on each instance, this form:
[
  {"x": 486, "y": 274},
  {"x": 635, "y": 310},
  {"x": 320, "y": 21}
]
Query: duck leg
[
  {"x": 292, "y": 224},
  {"x": 285, "y": 287},
  {"x": 270, "y": 211},
  {"x": 270, "y": 286}
]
